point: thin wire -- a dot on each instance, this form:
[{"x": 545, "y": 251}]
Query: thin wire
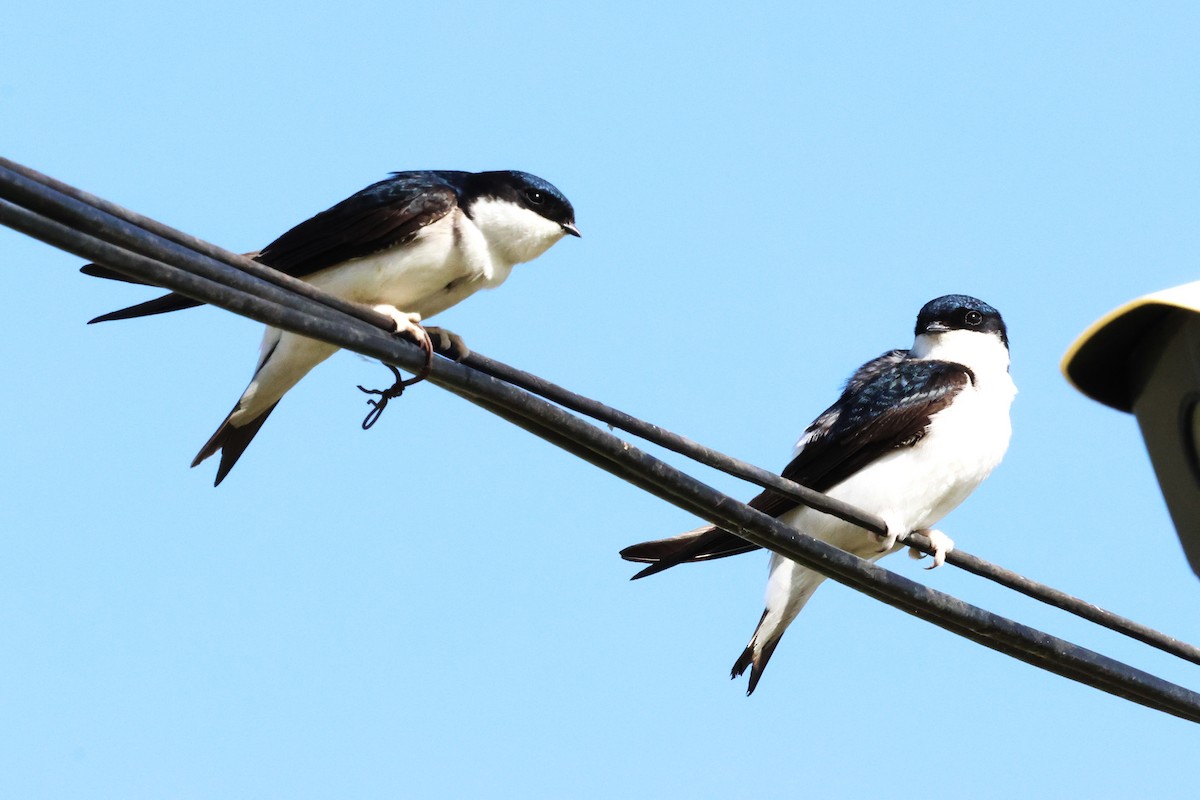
[
  {"x": 633, "y": 465},
  {"x": 612, "y": 454}
]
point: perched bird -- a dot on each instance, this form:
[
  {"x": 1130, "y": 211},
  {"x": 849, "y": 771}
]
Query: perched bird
[
  {"x": 913, "y": 433},
  {"x": 410, "y": 246}
]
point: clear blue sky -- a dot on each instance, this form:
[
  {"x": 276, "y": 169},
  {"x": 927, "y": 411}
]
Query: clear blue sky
[{"x": 436, "y": 608}]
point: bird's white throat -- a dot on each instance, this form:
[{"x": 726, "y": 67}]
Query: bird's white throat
[
  {"x": 983, "y": 353},
  {"x": 514, "y": 234}
]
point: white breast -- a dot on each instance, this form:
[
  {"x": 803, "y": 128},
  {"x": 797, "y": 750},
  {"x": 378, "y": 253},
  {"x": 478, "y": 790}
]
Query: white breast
[
  {"x": 444, "y": 264},
  {"x": 915, "y": 487}
]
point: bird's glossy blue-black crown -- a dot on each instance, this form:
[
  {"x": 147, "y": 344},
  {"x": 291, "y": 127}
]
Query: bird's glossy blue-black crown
[
  {"x": 528, "y": 191},
  {"x": 960, "y": 312},
  {"x": 513, "y": 186}
]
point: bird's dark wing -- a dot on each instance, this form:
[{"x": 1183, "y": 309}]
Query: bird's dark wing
[
  {"x": 97, "y": 271},
  {"x": 882, "y": 412},
  {"x": 702, "y": 544},
  {"x": 383, "y": 215}
]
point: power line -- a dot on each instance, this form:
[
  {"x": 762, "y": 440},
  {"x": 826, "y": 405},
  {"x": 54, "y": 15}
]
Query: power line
[
  {"x": 95, "y": 213},
  {"x": 148, "y": 251}
]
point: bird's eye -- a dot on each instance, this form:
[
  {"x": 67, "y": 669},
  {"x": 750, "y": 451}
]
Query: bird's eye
[
  {"x": 973, "y": 318},
  {"x": 534, "y": 197}
]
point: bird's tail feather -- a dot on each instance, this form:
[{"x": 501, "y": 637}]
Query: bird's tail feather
[
  {"x": 789, "y": 589},
  {"x": 755, "y": 657},
  {"x": 232, "y": 441}
]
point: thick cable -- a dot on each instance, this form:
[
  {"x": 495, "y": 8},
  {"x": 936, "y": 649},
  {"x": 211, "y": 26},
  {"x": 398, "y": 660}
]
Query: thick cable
[{"x": 20, "y": 184}]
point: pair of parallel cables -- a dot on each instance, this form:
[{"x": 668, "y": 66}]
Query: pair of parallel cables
[{"x": 150, "y": 252}]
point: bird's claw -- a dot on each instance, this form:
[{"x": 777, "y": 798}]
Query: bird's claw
[{"x": 942, "y": 545}]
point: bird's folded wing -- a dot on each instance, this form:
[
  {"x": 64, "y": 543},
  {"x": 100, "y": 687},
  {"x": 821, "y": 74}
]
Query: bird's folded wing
[
  {"x": 889, "y": 412},
  {"x": 383, "y": 215}
]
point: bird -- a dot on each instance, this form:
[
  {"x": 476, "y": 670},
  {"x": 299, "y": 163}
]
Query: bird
[
  {"x": 912, "y": 434},
  {"x": 411, "y": 246}
]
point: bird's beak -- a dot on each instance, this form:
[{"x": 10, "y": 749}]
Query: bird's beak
[
  {"x": 569, "y": 227},
  {"x": 936, "y": 327}
]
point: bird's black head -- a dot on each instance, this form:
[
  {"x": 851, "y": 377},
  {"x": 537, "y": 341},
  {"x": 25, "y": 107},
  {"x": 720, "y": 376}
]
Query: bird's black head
[
  {"x": 960, "y": 312},
  {"x": 527, "y": 191}
]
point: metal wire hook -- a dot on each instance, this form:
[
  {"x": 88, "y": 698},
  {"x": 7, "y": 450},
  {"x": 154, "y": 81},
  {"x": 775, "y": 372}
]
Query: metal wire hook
[{"x": 397, "y": 389}]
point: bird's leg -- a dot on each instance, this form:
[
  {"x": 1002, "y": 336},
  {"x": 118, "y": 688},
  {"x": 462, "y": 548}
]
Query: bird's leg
[
  {"x": 942, "y": 546},
  {"x": 442, "y": 341},
  {"x": 887, "y": 542}
]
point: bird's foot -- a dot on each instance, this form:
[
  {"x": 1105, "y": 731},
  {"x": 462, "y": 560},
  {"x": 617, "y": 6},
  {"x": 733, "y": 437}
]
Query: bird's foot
[
  {"x": 447, "y": 343},
  {"x": 405, "y": 322},
  {"x": 942, "y": 547}
]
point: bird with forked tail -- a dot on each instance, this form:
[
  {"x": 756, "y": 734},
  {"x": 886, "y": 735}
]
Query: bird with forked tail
[
  {"x": 913, "y": 433},
  {"x": 410, "y": 246}
]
